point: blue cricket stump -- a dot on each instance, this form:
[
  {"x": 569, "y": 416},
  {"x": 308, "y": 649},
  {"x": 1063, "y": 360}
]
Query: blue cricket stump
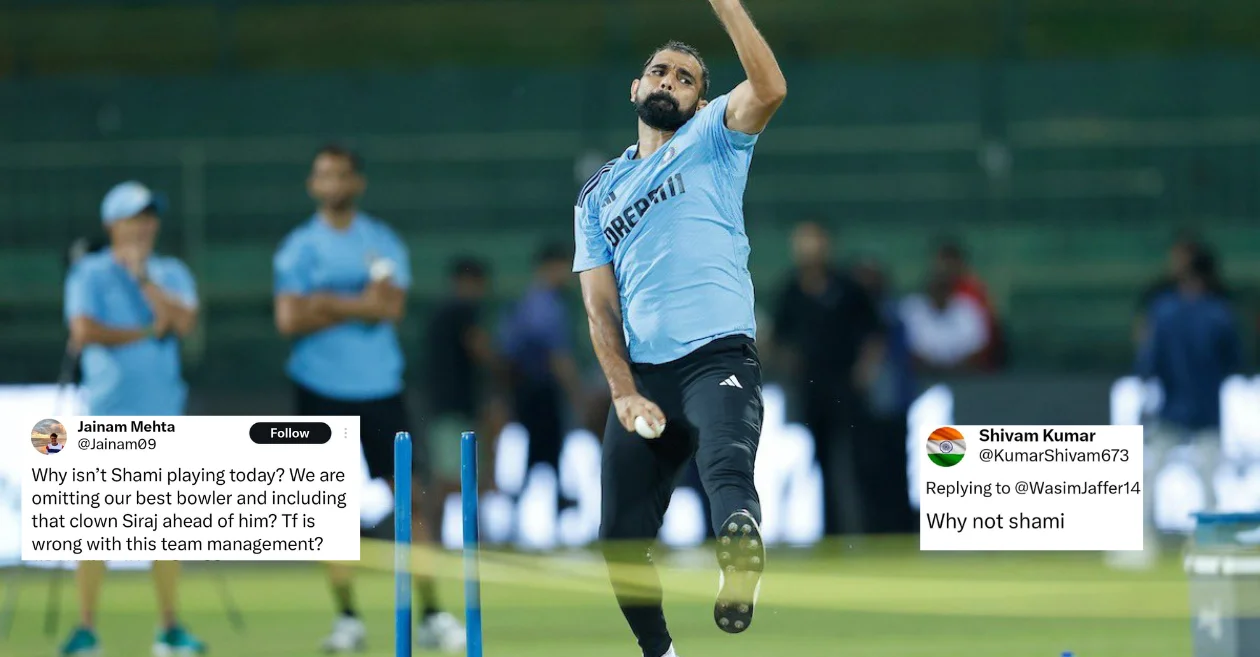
[
  {"x": 469, "y": 494},
  {"x": 402, "y": 544}
]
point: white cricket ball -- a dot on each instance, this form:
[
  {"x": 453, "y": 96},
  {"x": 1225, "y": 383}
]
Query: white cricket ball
[
  {"x": 381, "y": 269},
  {"x": 644, "y": 429}
]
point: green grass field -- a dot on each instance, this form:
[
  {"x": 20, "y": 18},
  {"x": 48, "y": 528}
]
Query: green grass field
[{"x": 878, "y": 599}]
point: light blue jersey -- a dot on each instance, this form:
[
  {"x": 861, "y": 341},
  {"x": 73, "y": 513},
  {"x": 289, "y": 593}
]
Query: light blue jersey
[
  {"x": 672, "y": 225},
  {"x": 137, "y": 378},
  {"x": 353, "y": 360}
]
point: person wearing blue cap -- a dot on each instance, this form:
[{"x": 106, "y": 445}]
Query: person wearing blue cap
[
  {"x": 341, "y": 280},
  {"x": 127, "y": 308}
]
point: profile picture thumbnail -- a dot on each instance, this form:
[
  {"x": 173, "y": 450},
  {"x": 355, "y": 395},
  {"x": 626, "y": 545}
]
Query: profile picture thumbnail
[
  {"x": 49, "y": 437},
  {"x": 946, "y": 447}
]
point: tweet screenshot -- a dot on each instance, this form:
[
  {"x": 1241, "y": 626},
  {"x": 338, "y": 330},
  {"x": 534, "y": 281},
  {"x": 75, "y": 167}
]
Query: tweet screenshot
[
  {"x": 1032, "y": 488},
  {"x": 192, "y": 488}
]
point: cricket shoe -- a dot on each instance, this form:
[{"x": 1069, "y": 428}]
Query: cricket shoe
[
  {"x": 176, "y": 641},
  {"x": 348, "y": 635},
  {"x": 441, "y": 631},
  {"x": 741, "y": 556},
  {"x": 81, "y": 643}
]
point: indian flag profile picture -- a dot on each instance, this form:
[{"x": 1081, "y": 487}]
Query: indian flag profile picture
[{"x": 946, "y": 447}]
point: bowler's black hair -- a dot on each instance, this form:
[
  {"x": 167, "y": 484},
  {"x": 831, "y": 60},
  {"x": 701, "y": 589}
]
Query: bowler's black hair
[
  {"x": 679, "y": 46},
  {"x": 339, "y": 150},
  {"x": 52, "y": 435}
]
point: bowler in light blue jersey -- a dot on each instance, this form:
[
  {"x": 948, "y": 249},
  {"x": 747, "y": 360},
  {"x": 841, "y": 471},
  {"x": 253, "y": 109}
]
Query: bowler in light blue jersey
[
  {"x": 663, "y": 259},
  {"x": 128, "y": 308},
  {"x": 341, "y": 281}
]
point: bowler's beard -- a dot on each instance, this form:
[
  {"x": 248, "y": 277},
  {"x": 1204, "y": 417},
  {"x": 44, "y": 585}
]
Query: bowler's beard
[{"x": 660, "y": 111}]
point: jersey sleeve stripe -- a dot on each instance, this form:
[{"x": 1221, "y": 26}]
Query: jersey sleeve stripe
[{"x": 593, "y": 183}]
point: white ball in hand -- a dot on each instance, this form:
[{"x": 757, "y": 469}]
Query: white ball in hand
[
  {"x": 381, "y": 269},
  {"x": 646, "y": 430}
]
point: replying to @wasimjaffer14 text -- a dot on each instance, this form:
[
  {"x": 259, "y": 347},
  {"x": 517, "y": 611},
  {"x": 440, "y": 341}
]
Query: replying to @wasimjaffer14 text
[{"x": 1031, "y": 488}]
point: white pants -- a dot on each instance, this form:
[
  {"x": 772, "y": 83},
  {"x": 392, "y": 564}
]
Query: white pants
[{"x": 1162, "y": 439}]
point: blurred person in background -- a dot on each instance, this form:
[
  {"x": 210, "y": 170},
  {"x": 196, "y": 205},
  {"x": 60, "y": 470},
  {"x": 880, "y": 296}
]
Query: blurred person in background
[
  {"x": 536, "y": 342},
  {"x": 945, "y": 329},
  {"x": 1191, "y": 345},
  {"x": 1180, "y": 256},
  {"x": 888, "y": 397},
  {"x": 951, "y": 258},
  {"x": 461, "y": 367},
  {"x": 128, "y": 308},
  {"x": 341, "y": 281},
  {"x": 829, "y": 329}
]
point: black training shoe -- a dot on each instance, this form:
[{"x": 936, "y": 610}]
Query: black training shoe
[{"x": 741, "y": 557}]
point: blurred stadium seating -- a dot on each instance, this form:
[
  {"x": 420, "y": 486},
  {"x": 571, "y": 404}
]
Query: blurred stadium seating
[{"x": 1065, "y": 142}]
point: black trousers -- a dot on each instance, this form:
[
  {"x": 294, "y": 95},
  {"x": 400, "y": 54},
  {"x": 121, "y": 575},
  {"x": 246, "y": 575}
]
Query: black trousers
[
  {"x": 539, "y": 410},
  {"x": 831, "y": 412},
  {"x": 713, "y": 410},
  {"x": 379, "y": 421},
  {"x": 884, "y": 485}
]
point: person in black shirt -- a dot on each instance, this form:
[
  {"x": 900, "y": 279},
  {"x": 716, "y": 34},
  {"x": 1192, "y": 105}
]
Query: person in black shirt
[
  {"x": 460, "y": 362},
  {"x": 1182, "y": 252},
  {"x": 888, "y": 396},
  {"x": 829, "y": 329}
]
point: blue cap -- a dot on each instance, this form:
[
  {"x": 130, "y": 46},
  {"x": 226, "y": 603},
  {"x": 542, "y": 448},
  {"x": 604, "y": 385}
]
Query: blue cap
[{"x": 129, "y": 199}]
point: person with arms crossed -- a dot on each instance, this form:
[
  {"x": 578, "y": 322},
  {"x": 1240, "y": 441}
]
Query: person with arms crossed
[
  {"x": 340, "y": 288},
  {"x": 127, "y": 308},
  {"x": 53, "y": 446},
  {"x": 662, "y": 255}
]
